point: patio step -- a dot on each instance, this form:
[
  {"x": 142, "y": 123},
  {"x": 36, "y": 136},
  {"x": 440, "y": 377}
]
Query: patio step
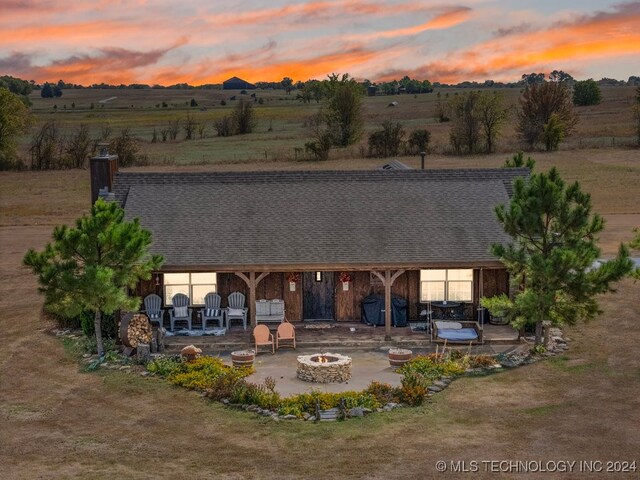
[{"x": 174, "y": 345}]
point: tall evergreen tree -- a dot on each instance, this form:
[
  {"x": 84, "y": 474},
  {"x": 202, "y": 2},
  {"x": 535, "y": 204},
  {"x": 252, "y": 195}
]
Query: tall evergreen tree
[
  {"x": 552, "y": 253},
  {"x": 90, "y": 267}
]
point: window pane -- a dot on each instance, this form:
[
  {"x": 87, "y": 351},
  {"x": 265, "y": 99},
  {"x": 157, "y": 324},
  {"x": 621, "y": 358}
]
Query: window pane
[
  {"x": 431, "y": 291},
  {"x": 171, "y": 290},
  {"x": 466, "y": 274},
  {"x": 207, "y": 278},
  {"x": 426, "y": 275},
  {"x": 460, "y": 291},
  {"x": 199, "y": 292},
  {"x": 176, "y": 278}
]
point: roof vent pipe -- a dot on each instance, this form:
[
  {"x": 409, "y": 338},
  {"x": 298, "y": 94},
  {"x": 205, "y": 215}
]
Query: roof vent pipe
[{"x": 422, "y": 155}]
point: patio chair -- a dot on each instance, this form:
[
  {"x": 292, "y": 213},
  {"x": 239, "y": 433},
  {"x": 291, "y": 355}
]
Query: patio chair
[
  {"x": 153, "y": 308},
  {"x": 212, "y": 310},
  {"x": 286, "y": 332},
  {"x": 263, "y": 336},
  {"x": 180, "y": 312},
  {"x": 236, "y": 309}
]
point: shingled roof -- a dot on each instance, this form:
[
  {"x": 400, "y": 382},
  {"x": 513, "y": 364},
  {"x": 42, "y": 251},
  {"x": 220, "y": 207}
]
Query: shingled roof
[{"x": 332, "y": 219}]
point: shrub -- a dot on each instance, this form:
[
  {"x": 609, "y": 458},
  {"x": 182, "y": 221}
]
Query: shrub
[
  {"x": 206, "y": 373},
  {"x": 127, "y": 149},
  {"x": 383, "y": 392},
  {"x": 320, "y": 147},
  {"x": 586, "y": 92},
  {"x": 553, "y": 133},
  {"x": 386, "y": 142},
  {"x": 306, "y": 402},
  {"x": 419, "y": 141},
  {"x": 412, "y": 392},
  {"x": 164, "y": 366},
  {"x": 430, "y": 368},
  {"x": 255, "y": 394},
  {"x": 244, "y": 118},
  {"x": 225, "y": 126},
  {"x": 481, "y": 361},
  {"x": 108, "y": 324}
]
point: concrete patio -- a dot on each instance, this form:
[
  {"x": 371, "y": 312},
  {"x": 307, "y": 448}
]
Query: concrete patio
[{"x": 367, "y": 365}]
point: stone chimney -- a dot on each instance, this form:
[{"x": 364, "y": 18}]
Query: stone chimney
[{"x": 103, "y": 169}]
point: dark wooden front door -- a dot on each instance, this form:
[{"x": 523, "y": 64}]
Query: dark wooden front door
[{"x": 318, "y": 295}]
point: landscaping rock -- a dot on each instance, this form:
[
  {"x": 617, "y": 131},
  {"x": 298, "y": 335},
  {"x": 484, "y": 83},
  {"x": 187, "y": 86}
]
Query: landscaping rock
[
  {"x": 356, "y": 412},
  {"x": 440, "y": 384},
  {"x": 289, "y": 417},
  {"x": 366, "y": 411},
  {"x": 434, "y": 388},
  {"x": 225, "y": 401},
  {"x": 311, "y": 418},
  {"x": 306, "y": 415}
]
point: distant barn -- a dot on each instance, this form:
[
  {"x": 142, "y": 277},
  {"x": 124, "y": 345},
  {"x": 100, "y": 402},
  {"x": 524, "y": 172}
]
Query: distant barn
[{"x": 235, "y": 83}]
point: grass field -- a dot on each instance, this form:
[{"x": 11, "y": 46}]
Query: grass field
[
  {"x": 57, "y": 422},
  {"x": 281, "y": 121}
]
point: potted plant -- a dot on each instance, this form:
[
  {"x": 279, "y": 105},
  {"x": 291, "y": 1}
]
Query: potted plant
[
  {"x": 498, "y": 307},
  {"x": 345, "y": 278},
  {"x": 293, "y": 278}
]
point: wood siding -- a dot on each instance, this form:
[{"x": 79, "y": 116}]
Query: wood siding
[{"x": 347, "y": 302}]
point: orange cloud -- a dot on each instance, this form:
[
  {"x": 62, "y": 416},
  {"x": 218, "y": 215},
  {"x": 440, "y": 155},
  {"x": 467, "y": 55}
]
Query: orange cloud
[
  {"x": 268, "y": 70},
  {"x": 444, "y": 20},
  {"x": 70, "y": 32},
  {"x": 601, "y": 35},
  {"x": 310, "y": 11}
]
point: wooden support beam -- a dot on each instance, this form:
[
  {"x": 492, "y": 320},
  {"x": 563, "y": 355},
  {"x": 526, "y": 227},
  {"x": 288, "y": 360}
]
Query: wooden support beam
[
  {"x": 252, "y": 282},
  {"x": 387, "y": 280},
  {"x": 387, "y": 305}
]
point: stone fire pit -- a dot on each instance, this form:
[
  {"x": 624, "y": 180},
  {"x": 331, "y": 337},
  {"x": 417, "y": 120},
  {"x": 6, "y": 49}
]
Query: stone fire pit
[{"x": 324, "y": 368}]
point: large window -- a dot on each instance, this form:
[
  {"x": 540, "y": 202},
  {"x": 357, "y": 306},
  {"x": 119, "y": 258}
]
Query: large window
[
  {"x": 452, "y": 285},
  {"x": 194, "y": 285}
]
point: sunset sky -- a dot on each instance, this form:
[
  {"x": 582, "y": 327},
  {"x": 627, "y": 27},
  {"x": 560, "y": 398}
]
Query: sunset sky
[{"x": 198, "y": 41}]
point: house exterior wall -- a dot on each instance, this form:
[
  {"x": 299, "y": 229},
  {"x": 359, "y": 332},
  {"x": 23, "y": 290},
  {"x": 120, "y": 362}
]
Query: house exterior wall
[{"x": 347, "y": 302}]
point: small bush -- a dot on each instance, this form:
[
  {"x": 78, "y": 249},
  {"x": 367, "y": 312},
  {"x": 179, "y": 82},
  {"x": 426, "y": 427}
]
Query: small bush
[
  {"x": 127, "y": 148},
  {"x": 383, "y": 392},
  {"x": 553, "y": 133},
  {"x": 432, "y": 369},
  {"x": 386, "y": 142},
  {"x": 255, "y": 394},
  {"x": 91, "y": 347},
  {"x": 108, "y": 324},
  {"x": 418, "y": 141},
  {"x": 206, "y": 373},
  {"x": 225, "y": 127},
  {"x": 164, "y": 366},
  {"x": 481, "y": 361},
  {"x": 320, "y": 147}
]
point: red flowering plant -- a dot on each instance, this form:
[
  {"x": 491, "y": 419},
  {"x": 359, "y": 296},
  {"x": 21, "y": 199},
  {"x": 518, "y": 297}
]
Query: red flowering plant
[
  {"x": 293, "y": 277},
  {"x": 345, "y": 277}
]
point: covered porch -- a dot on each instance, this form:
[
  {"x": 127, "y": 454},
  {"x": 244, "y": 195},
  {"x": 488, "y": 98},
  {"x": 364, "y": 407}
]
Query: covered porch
[{"x": 352, "y": 335}]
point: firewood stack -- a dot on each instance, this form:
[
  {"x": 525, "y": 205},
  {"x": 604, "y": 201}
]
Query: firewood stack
[{"x": 135, "y": 329}]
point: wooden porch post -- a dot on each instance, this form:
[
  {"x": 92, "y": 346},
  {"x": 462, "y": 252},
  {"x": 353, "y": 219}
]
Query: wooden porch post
[
  {"x": 387, "y": 281},
  {"x": 252, "y": 282}
]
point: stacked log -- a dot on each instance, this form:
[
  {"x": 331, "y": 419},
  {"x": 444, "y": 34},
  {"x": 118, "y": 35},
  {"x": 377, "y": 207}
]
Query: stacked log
[{"x": 135, "y": 329}]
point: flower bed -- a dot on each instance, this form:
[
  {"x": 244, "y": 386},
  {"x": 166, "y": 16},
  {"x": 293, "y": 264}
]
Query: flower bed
[{"x": 422, "y": 377}]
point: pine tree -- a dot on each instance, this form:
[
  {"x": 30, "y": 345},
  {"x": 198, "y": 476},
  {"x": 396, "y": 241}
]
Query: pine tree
[
  {"x": 90, "y": 267},
  {"x": 552, "y": 254}
]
